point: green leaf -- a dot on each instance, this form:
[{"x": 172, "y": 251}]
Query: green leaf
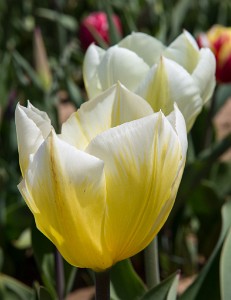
[
  {"x": 23, "y": 66},
  {"x": 44, "y": 255},
  {"x": 1, "y": 258},
  {"x": 12, "y": 289},
  {"x": 125, "y": 283},
  {"x": 225, "y": 268},
  {"x": 209, "y": 276},
  {"x": 74, "y": 92},
  {"x": 167, "y": 289},
  {"x": 66, "y": 21},
  {"x": 172, "y": 293},
  {"x": 43, "y": 293}
]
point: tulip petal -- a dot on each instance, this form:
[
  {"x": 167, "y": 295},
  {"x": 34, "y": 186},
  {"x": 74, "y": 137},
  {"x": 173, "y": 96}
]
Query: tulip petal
[
  {"x": 144, "y": 45},
  {"x": 184, "y": 51},
  {"x": 177, "y": 121},
  {"x": 204, "y": 74},
  {"x": 141, "y": 162},
  {"x": 120, "y": 64},
  {"x": 67, "y": 188},
  {"x": 115, "y": 106},
  {"x": 32, "y": 127},
  {"x": 167, "y": 83},
  {"x": 91, "y": 61}
]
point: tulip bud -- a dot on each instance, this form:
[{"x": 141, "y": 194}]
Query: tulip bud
[
  {"x": 218, "y": 39},
  {"x": 41, "y": 60},
  {"x": 95, "y": 28}
]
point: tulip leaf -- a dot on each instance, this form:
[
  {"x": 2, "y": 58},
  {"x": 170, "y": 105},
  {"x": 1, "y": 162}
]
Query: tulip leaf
[
  {"x": 44, "y": 255},
  {"x": 225, "y": 268},
  {"x": 172, "y": 293},
  {"x": 23, "y": 66},
  {"x": 74, "y": 92},
  {"x": 1, "y": 258},
  {"x": 66, "y": 21},
  {"x": 125, "y": 283},
  {"x": 43, "y": 293},
  {"x": 167, "y": 289},
  {"x": 209, "y": 276},
  {"x": 12, "y": 289}
]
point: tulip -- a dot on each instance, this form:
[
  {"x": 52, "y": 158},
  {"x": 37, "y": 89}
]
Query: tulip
[
  {"x": 218, "y": 39},
  {"x": 179, "y": 73},
  {"x": 103, "y": 188},
  {"x": 95, "y": 28}
]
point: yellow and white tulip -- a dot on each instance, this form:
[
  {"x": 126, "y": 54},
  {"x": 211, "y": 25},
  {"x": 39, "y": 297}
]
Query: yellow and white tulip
[{"x": 103, "y": 188}]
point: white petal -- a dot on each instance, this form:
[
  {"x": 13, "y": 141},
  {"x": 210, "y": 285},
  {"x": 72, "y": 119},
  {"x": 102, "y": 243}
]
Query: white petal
[
  {"x": 167, "y": 83},
  {"x": 91, "y": 61},
  {"x": 184, "y": 51},
  {"x": 115, "y": 106},
  {"x": 142, "y": 159},
  {"x": 204, "y": 74},
  {"x": 178, "y": 123},
  {"x": 144, "y": 45},
  {"x": 32, "y": 127},
  {"x": 67, "y": 187},
  {"x": 120, "y": 64}
]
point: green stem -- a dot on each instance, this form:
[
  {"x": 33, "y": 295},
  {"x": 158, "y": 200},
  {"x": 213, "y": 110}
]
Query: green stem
[
  {"x": 59, "y": 275},
  {"x": 102, "y": 285},
  {"x": 151, "y": 262}
]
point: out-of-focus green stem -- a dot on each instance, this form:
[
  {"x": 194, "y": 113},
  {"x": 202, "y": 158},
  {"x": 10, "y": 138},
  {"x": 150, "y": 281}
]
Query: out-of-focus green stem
[
  {"x": 60, "y": 282},
  {"x": 102, "y": 285},
  {"x": 151, "y": 263}
]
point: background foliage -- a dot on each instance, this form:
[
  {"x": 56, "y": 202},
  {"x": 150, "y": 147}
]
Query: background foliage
[{"x": 196, "y": 238}]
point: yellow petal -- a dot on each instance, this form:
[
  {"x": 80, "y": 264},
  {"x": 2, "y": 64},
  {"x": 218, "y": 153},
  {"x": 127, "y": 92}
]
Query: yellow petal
[
  {"x": 141, "y": 159},
  {"x": 32, "y": 127},
  {"x": 65, "y": 189},
  {"x": 115, "y": 106}
]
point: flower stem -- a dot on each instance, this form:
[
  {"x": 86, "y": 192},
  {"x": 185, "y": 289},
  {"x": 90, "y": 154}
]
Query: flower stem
[
  {"x": 151, "y": 262},
  {"x": 102, "y": 285},
  {"x": 59, "y": 275}
]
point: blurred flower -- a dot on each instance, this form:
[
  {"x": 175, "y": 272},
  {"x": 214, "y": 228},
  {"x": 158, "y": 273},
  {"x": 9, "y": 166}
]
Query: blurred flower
[
  {"x": 95, "y": 28},
  {"x": 102, "y": 189},
  {"x": 218, "y": 39},
  {"x": 162, "y": 75},
  {"x": 41, "y": 60}
]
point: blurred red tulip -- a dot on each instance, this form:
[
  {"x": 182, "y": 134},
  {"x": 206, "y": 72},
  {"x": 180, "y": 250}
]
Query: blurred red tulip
[
  {"x": 95, "y": 28},
  {"x": 218, "y": 39}
]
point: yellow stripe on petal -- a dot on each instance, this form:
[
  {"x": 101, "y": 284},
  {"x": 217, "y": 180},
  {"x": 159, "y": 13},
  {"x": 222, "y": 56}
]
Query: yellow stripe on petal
[
  {"x": 167, "y": 83},
  {"x": 141, "y": 162},
  {"x": 68, "y": 188}
]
